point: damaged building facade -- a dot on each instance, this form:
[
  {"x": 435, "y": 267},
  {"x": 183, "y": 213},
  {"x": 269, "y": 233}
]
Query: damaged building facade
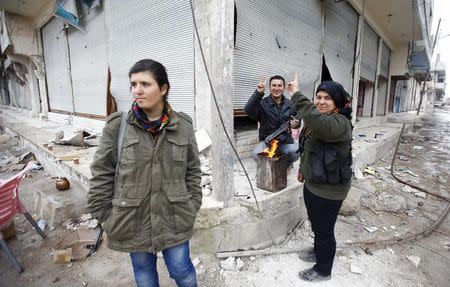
[{"x": 66, "y": 69}]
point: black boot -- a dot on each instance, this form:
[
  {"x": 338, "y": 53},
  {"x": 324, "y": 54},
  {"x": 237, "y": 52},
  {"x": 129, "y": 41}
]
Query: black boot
[
  {"x": 311, "y": 275},
  {"x": 307, "y": 255}
]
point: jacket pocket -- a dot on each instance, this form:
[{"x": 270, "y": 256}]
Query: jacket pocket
[
  {"x": 123, "y": 222},
  {"x": 181, "y": 206},
  {"x": 179, "y": 148},
  {"x": 129, "y": 151}
]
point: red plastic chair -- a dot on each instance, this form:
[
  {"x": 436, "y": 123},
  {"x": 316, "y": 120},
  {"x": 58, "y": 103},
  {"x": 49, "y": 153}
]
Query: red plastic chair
[{"x": 10, "y": 204}]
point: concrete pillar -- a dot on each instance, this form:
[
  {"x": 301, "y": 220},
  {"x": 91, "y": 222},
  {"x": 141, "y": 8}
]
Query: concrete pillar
[
  {"x": 357, "y": 67},
  {"x": 377, "y": 75},
  {"x": 215, "y": 20},
  {"x": 40, "y": 75}
]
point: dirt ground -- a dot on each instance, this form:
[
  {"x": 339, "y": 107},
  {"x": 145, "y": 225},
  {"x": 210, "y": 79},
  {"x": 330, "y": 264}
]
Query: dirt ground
[{"x": 423, "y": 160}]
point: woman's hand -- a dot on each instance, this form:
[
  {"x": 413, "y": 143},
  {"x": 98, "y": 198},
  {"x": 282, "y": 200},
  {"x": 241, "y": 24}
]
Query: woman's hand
[
  {"x": 293, "y": 85},
  {"x": 261, "y": 85},
  {"x": 300, "y": 177}
]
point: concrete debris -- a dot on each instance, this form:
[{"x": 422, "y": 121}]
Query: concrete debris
[
  {"x": 410, "y": 172},
  {"x": 407, "y": 189},
  {"x": 393, "y": 227},
  {"x": 352, "y": 203},
  {"x": 195, "y": 261},
  {"x": 253, "y": 258},
  {"x": 85, "y": 221},
  {"x": 370, "y": 229},
  {"x": 206, "y": 191},
  {"x": 81, "y": 138},
  {"x": 420, "y": 194},
  {"x": 417, "y": 147},
  {"x": 370, "y": 170},
  {"x": 415, "y": 260},
  {"x": 205, "y": 180},
  {"x": 239, "y": 264},
  {"x": 79, "y": 242},
  {"x": 203, "y": 139},
  {"x": 390, "y": 203},
  {"x": 358, "y": 174},
  {"x": 355, "y": 269},
  {"x": 228, "y": 264},
  {"x": 403, "y": 157},
  {"x": 446, "y": 245}
]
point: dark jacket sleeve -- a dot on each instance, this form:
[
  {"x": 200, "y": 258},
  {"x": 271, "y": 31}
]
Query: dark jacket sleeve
[
  {"x": 193, "y": 171},
  {"x": 252, "y": 108},
  {"x": 103, "y": 169},
  {"x": 328, "y": 128}
]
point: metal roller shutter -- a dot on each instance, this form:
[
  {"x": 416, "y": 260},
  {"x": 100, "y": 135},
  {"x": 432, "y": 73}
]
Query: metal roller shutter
[
  {"x": 89, "y": 64},
  {"x": 159, "y": 30},
  {"x": 56, "y": 61},
  {"x": 369, "y": 53},
  {"x": 276, "y": 38},
  {"x": 341, "y": 27},
  {"x": 385, "y": 59}
]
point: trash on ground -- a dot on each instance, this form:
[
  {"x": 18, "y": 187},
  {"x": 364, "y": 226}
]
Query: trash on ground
[
  {"x": 369, "y": 170},
  {"x": 355, "y": 269},
  {"x": 420, "y": 194},
  {"x": 370, "y": 229},
  {"x": 415, "y": 260},
  {"x": 228, "y": 264},
  {"x": 417, "y": 147},
  {"x": 410, "y": 172},
  {"x": 80, "y": 242}
]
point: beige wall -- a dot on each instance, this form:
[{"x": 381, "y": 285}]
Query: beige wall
[{"x": 399, "y": 57}]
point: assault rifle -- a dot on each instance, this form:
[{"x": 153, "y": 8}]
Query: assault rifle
[{"x": 284, "y": 127}]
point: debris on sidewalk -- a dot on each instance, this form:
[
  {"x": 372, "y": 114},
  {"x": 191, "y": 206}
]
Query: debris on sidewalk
[
  {"x": 417, "y": 147},
  {"x": 370, "y": 229},
  {"x": 355, "y": 269},
  {"x": 420, "y": 194},
  {"x": 81, "y": 139},
  {"x": 228, "y": 264},
  {"x": 85, "y": 221},
  {"x": 415, "y": 260},
  {"x": 370, "y": 170},
  {"x": 410, "y": 172},
  {"x": 77, "y": 243}
]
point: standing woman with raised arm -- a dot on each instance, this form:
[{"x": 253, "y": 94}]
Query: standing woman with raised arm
[
  {"x": 325, "y": 168},
  {"x": 152, "y": 204}
]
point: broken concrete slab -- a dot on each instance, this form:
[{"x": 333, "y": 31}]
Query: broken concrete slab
[{"x": 352, "y": 203}]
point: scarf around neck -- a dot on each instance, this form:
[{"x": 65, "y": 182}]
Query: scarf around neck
[{"x": 154, "y": 127}]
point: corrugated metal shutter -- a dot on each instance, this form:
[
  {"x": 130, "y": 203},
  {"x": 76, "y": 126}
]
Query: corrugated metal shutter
[
  {"x": 341, "y": 27},
  {"x": 369, "y": 54},
  {"x": 159, "y": 30},
  {"x": 276, "y": 38},
  {"x": 385, "y": 59},
  {"x": 57, "y": 66},
  {"x": 89, "y": 64}
]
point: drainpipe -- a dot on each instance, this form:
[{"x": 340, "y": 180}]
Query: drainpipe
[{"x": 72, "y": 114}]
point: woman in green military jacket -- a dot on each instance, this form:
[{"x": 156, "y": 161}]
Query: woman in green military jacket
[
  {"x": 325, "y": 168},
  {"x": 152, "y": 204}
]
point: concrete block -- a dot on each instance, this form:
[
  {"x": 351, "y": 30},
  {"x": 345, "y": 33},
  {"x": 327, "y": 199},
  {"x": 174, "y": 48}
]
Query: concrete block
[
  {"x": 352, "y": 203},
  {"x": 57, "y": 207}
]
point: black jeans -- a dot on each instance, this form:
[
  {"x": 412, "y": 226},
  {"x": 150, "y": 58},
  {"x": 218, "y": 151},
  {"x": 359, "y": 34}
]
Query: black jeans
[{"x": 322, "y": 213}]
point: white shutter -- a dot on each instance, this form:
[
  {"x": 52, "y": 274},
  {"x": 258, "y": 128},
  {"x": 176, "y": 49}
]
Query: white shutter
[
  {"x": 57, "y": 66},
  {"x": 369, "y": 53},
  {"x": 276, "y": 38},
  {"x": 385, "y": 59},
  {"x": 341, "y": 27},
  {"x": 159, "y": 30},
  {"x": 89, "y": 64}
]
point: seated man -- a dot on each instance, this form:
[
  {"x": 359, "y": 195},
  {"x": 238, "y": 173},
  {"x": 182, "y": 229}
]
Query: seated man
[{"x": 271, "y": 112}]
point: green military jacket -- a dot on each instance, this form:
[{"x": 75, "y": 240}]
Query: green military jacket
[
  {"x": 157, "y": 194},
  {"x": 325, "y": 128}
]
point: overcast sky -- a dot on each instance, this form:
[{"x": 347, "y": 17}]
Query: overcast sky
[{"x": 441, "y": 10}]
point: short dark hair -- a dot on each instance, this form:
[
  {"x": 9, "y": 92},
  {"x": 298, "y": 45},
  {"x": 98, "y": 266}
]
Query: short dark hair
[
  {"x": 277, "y": 77},
  {"x": 157, "y": 69}
]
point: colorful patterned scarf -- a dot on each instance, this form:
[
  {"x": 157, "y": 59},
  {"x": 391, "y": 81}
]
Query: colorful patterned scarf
[{"x": 154, "y": 127}]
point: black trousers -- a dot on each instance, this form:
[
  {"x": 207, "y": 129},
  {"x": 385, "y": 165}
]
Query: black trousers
[{"x": 322, "y": 213}]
